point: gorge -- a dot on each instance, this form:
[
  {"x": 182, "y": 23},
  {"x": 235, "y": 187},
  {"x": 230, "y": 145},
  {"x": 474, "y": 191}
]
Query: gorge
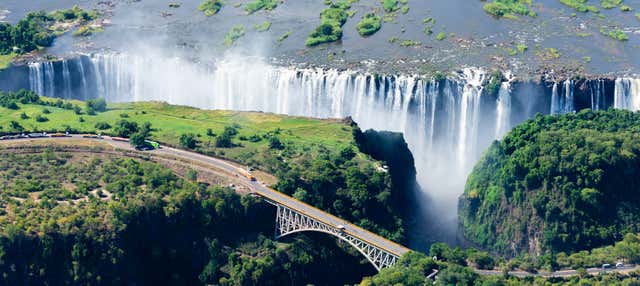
[{"x": 448, "y": 121}]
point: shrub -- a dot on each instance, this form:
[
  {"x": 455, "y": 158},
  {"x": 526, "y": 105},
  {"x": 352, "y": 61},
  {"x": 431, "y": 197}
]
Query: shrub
[
  {"x": 210, "y": 7},
  {"x": 40, "y": 118},
  {"x": 102, "y": 126},
  {"x": 369, "y": 24},
  {"x": 188, "y": 140}
]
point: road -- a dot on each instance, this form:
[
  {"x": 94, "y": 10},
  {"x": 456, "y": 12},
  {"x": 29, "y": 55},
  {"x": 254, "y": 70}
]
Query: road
[
  {"x": 258, "y": 188},
  {"x": 561, "y": 273}
]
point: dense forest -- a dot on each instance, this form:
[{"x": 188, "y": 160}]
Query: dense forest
[
  {"x": 98, "y": 220},
  {"x": 556, "y": 184}
]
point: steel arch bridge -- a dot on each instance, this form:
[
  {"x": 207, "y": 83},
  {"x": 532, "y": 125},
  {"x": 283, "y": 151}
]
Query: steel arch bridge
[{"x": 289, "y": 221}]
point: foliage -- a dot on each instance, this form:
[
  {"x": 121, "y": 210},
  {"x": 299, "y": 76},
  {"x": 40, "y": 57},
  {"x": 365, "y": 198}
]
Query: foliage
[
  {"x": 609, "y": 4},
  {"x": 188, "y": 140},
  {"x": 614, "y": 33},
  {"x": 97, "y": 105},
  {"x": 318, "y": 156},
  {"x": 257, "y": 5},
  {"x": 580, "y": 6},
  {"x": 10, "y": 100},
  {"x": 34, "y": 31},
  {"x": 390, "y": 5},
  {"x": 509, "y": 8},
  {"x": 233, "y": 35},
  {"x": 73, "y": 14},
  {"x": 93, "y": 219},
  {"x": 210, "y": 7},
  {"x": 369, "y": 24},
  {"x": 331, "y": 21},
  {"x": 264, "y": 26},
  {"x": 283, "y": 37},
  {"x": 556, "y": 183},
  {"x": 494, "y": 83}
]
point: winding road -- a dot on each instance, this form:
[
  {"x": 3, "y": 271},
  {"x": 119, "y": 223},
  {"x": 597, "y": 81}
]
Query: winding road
[{"x": 255, "y": 187}]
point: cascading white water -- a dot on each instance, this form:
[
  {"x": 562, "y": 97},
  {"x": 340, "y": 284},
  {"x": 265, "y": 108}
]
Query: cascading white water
[
  {"x": 627, "y": 94},
  {"x": 444, "y": 121},
  {"x": 469, "y": 112},
  {"x": 565, "y": 103},
  {"x": 555, "y": 100},
  {"x": 597, "y": 94},
  {"x": 503, "y": 109},
  {"x": 440, "y": 119}
]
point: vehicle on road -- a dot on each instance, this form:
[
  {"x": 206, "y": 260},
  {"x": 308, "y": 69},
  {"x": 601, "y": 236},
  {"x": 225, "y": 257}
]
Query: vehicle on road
[
  {"x": 153, "y": 144},
  {"x": 341, "y": 228},
  {"x": 619, "y": 265}
]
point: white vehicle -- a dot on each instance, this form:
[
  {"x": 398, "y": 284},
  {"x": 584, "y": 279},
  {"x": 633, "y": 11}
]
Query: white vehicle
[
  {"x": 341, "y": 227},
  {"x": 619, "y": 265}
]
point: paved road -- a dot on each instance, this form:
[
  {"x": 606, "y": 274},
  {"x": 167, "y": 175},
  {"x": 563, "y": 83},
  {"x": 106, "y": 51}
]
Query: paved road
[
  {"x": 261, "y": 190},
  {"x": 561, "y": 273}
]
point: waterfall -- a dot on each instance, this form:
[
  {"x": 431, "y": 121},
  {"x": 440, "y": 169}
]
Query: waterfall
[
  {"x": 627, "y": 94},
  {"x": 66, "y": 77},
  {"x": 555, "y": 100},
  {"x": 469, "y": 112},
  {"x": 567, "y": 102},
  {"x": 446, "y": 122},
  {"x": 597, "y": 94},
  {"x": 503, "y": 109}
]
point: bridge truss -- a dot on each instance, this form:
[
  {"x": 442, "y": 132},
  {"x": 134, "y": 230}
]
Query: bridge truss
[{"x": 290, "y": 221}]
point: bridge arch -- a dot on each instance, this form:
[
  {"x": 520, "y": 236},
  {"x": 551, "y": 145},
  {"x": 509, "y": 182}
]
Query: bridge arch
[{"x": 289, "y": 221}]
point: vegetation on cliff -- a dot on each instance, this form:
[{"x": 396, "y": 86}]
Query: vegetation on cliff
[
  {"x": 317, "y": 161},
  {"x": 556, "y": 183},
  {"x": 89, "y": 219}
]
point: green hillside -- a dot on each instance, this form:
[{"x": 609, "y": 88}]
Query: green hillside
[{"x": 556, "y": 183}]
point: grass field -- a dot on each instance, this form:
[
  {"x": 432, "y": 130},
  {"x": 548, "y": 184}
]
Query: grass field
[
  {"x": 170, "y": 122},
  {"x": 5, "y": 60}
]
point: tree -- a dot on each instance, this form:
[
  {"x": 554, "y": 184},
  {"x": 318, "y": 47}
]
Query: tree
[
  {"x": 274, "y": 143},
  {"x": 16, "y": 126},
  {"x": 188, "y": 140},
  {"x": 125, "y": 128},
  {"x": 224, "y": 141},
  {"x": 137, "y": 139},
  {"x": 97, "y": 105},
  {"x": 102, "y": 126}
]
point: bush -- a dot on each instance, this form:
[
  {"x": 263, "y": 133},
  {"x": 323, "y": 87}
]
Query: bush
[
  {"x": 125, "y": 128},
  {"x": 102, "y": 126},
  {"x": 369, "y": 24},
  {"x": 331, "y": 21},
  {"x": 274, "y": 143},
  {"x": 40, "y": 118},
  {"x": 188, "y": 140},
  {"x": 210, "y": 7},
  {"x": 98, "y": 105},
  {"x": 257, "y": 5}
]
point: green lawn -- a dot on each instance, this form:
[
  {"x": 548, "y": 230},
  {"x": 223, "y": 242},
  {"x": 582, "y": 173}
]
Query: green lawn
[
  {"x": 170, "y": 122},
  {"x": 5, "y": 60}
]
